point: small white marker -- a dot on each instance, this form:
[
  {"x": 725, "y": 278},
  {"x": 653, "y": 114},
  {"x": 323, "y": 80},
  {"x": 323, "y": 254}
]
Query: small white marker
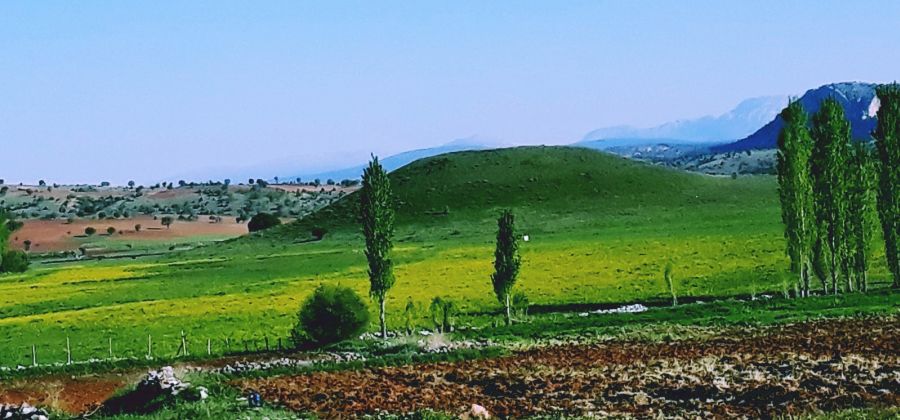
[{"x": 525, "y": 238}]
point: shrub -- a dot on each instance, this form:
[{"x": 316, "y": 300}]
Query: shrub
[
  {"x": 318, "y": 233},
  {"x": 330, "y": 315},
  {"x": 442, "y": 312},
  {"x": 89, "y": 231},
  {"x": 14, "y": 262},
  {"x": 262, "y": 221},
  {"x": 110, "y": 230}
]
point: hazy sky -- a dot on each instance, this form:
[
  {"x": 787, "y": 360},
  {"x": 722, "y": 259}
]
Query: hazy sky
[{"x": 118, "y": 90}]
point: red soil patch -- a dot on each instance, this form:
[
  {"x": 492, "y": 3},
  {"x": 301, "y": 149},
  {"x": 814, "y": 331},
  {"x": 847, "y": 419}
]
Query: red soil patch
[
  {"x": 782, "y": 371},
  {"x": 57, "y": 235},
  {"x": 75, "y": 396}
]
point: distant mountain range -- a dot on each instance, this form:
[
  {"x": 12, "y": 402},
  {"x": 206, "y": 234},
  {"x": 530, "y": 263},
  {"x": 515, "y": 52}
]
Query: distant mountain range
[
  {"x": 859, "y": 102},
  {"x": 747, "y": 117},
  {"x": 752, "y": 125}
]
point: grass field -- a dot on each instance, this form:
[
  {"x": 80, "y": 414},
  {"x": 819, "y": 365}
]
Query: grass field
[{"x": 601, "y": 230}]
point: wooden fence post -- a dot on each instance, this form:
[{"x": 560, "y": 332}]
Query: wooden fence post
[
  {"x": 110, "y": 348},
  {"x": 184, "y": 344},
  {"x": 68, "y": 352},
  {"x": 208, "y": 347},
  {"x": 33, "y": 356}
]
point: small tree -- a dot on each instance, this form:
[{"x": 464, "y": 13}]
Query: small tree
[
  {"x": 263, "y": 221},
  {"x": 137, "y": 227},
  {"x": 110, "y": 230},
  {"x": 27, "y": 244},
  {"x": 14, "y": 262},
  {"x": 166, "y": 221},
  {"x": 377, "y": 215},
  {"x": 670, "y": 282},
  {"x": 331, "y": 314},
  {"x": 861, "y": 215},
  {"x": 506, "y": 261},
  {"x": 90, "y": 231}
]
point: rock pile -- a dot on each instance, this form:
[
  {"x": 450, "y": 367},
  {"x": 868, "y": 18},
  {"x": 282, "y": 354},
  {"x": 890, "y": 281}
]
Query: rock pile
[{"x": 22, "y": 412}]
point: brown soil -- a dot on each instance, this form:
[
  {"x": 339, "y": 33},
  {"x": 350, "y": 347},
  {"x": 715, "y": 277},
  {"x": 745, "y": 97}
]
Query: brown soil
[
  {"x": 71, "y": 395},
  {"x": 786, "y": 370},
  {"x": 58, "y": 235}
]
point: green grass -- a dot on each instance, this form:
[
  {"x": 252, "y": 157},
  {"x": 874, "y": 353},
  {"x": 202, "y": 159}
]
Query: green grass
[{"x": 602, "y": 228}]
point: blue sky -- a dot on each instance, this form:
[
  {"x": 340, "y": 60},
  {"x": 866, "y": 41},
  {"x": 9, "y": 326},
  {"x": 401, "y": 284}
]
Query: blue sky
[{"x": 103, "y": 90}]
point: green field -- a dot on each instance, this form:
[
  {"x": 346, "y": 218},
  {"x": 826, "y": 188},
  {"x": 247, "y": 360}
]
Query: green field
[{"x": 601, "y": 230}]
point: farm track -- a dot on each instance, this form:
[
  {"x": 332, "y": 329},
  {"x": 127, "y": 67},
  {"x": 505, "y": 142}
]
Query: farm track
[{"x": 774, "y": 371}]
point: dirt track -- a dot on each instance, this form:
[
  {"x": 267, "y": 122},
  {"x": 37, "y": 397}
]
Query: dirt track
[{"x": 783, "y": 370}]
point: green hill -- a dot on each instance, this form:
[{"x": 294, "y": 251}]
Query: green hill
[{"x": 474, "y": 185}]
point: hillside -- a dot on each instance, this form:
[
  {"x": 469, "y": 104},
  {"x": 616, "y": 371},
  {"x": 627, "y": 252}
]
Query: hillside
[{"x": 474, "y": 184}]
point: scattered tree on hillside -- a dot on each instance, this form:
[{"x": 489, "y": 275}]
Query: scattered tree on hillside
[
  {"x": 831, "y": 136},
  {"x": 795, "y": 191},
  {"x": 130, "y": 184},
  {"x": 506, "y": 261},
  {"x": 166, "y": 221},
  {"x": 861, "y": 217},
  {"x": 27, "y": 244},
  {"x": 110, "y": 230},
  {"x": 377, "y": 215},
  {"x": 262, "y": 221},
  {"x": 887, "y": 141},
  {"x": 137, "y": 227},
  {"x": 90, "y": 231}
]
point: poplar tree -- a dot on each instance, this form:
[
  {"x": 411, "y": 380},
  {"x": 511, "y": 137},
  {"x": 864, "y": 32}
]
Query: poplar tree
[
  {"x": 506, "y": 261},
  {"x": 377, "y": 214},
  {"x": 887, "y": 142},
  {"x": 795, "y": 191},
  {"x": 860, "y": 213},
  {"x": 831, "y": 144}
]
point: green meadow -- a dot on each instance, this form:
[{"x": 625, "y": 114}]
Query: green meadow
[{"x": 600, "y": 230}]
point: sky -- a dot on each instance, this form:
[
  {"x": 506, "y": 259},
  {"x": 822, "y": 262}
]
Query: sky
[{"x": 96, "y": 91}]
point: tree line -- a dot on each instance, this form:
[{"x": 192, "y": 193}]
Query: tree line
[{"x": 834, "y": 191}]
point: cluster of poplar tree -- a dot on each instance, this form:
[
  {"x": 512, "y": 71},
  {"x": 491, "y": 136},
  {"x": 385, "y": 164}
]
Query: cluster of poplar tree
[{"x": 834, "y": 190}]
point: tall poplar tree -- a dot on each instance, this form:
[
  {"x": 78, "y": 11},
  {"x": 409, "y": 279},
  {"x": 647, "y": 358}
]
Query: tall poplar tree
[
  {"x": 860, "y": 212},
  {"x": 831, "y": 149},
  {"x": 887, "y": 142},
  {"x": 377, "y": 214},
  {"x": 506, "y": 261},
  {"x": 795, "y": 191}
]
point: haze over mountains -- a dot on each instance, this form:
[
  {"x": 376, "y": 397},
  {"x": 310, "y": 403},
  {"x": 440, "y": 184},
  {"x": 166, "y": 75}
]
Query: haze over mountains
[{"x": 752, "y": 125}]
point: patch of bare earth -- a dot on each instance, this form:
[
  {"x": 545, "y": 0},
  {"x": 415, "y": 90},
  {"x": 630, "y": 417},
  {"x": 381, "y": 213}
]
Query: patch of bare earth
[
  {"x": 71, "y": 395},
  {"x": 792, "y": 369}
]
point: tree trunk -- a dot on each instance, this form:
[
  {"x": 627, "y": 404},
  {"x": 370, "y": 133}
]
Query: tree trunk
[
  {"x": 381, "y": 315},
  {"x": 508, "y": 313}
]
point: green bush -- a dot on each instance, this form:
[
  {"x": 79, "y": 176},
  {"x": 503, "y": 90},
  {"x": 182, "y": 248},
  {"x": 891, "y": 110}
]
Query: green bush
[
  {"x": 263, "y": 221},
  {"x": 14, "y": 262},
  {"x": 330, "y": 315}
]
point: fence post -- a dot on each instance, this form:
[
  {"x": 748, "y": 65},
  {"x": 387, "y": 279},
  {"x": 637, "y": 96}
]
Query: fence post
[
  {"x": 208, "y": 347},
  {"x": 184, "y": 344},
  {"x": 68, "y": 352},
  {"x": 33, "y": 356}
]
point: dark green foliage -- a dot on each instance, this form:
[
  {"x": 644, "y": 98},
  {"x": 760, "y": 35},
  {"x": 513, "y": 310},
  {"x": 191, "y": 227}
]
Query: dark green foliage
[
  {"x": 887, "y": 141},
  {"x": 263, "y": 221},
  {"x": 506, "y": 260},
  {"x": 166, "y": 221},
  {"x": 861, "y": 215},
  {"x": 330, "y": 315},
  {"x": 442, "y": 312},
  {"x": 14, "y": 262},
  {"x": 795, "y": 191},
  {"x": 377, "y": 216},
  {"x": 318, "y": 233},
  {"x": 110, "y": 230},
  {"x": 90, "y": 230},
  {"x": 831, "y": 149}
]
